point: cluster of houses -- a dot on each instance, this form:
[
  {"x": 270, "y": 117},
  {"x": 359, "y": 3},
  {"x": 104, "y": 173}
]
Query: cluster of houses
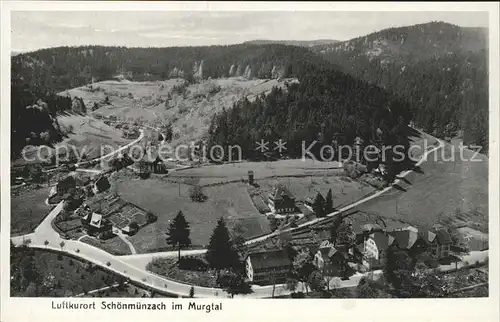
[
  {"x": 370, "y": 250},
  {"x": 82, "y": 186}
]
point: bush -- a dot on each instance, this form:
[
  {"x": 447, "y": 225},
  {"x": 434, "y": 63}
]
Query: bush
[{"x": 108, "y": 264}]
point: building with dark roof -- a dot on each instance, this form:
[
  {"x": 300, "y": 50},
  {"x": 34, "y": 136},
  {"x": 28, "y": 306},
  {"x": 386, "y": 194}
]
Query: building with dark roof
[
  {"x": 268, "y": 267},
  {"x": 438, "y": 240},
  {"x": 96, "y": 225},
  {"x": 405, "y": 238},
  {"x": 281, "y": 200},
  {"x": 330, "y": 260}
]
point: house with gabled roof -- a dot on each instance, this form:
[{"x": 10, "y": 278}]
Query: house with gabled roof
[
  {"x": 405, "y": 238},
  {"x": 375, "y": 249},
  {"x": 96, "y": 225},
  {"x": 153, "y": 162},
  {"x": 438, "y": 240},
  {"x": 281, "y": 200},
  {"x": 268, "y": 266}
]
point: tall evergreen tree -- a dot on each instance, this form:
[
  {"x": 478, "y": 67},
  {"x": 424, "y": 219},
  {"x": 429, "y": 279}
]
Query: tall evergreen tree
[
  {"x": 221, "y": 253},
  {"x": 178, "y": 233},
  {"x": 329, "y": 202},
  {"x": 319, "y": 206}
]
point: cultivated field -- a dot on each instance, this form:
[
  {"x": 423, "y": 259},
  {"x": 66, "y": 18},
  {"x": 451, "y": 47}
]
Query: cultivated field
[{"x": 28, "y": 208}]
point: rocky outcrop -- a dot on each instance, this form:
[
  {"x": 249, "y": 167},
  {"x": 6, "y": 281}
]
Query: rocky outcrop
[
  {"x": 176, "y": 73},
  {"x": 248, "y": 72},
  {"x": 198, "y": 70},
  {"x": 232, "y": 70}
]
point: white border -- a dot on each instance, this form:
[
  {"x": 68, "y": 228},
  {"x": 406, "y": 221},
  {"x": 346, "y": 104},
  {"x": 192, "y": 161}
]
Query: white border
[{"x": 27, "y": 309}]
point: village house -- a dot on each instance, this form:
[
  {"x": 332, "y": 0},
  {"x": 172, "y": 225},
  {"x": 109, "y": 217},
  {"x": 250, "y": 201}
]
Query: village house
[
  {"x": 96, "y": 225},
  {"x": 281, "y": 200},
  {"x": 405, "y": 238},
  {"x": 268, "y": 267},
  {"x": 375, "y": 249},
  {"x": 329, "y": 260}
]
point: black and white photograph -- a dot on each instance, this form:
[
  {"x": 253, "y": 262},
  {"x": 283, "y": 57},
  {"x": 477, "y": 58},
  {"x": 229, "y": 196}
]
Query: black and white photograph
[{"x": 239, "y": 154}]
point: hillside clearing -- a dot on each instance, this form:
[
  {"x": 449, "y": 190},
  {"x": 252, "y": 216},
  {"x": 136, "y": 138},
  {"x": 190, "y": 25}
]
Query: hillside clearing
[{"x": 188, "y": 106}]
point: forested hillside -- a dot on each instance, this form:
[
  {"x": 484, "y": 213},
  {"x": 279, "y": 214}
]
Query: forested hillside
[
  {"x": 62, "y": 68},
  {"x": 33, "y": 116},
  {"x": 439, "y": 69}
]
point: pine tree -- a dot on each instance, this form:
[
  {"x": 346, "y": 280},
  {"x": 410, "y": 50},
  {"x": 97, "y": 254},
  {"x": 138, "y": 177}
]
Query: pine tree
[
  {"x": 319, "y": 205},
  {"x": 329, "y": 202},
  {"x": 221, "y": 253},
  {"x": 178, "y": 233}
]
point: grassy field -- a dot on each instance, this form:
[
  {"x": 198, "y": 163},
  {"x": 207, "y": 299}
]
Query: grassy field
[
  {"x": 27, "y": 209},
  {"x": 165, "y": 199},
  {"x": 61, "y": 276},
  {"x": 262, "y": 170},
  {"x": 189, "y": 108},
  {"x": 114, "y": 245}
]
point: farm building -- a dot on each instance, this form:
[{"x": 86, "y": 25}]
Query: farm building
[
  {"x": 281, "y": 200},
  {"x": 270, "y": 266},
  {"x": 96, "y": 225}
]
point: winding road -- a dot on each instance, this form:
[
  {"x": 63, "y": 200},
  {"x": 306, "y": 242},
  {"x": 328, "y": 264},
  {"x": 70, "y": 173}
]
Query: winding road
[{"x": 133, "y": 266}]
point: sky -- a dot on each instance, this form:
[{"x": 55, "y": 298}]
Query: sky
[{"x": 31, "y": 30}]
